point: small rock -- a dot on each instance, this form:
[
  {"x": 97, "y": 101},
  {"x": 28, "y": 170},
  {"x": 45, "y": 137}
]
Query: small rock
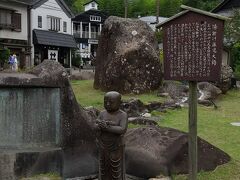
[
  {"x": 163, "y": 94},
  {"x": 205, "y": 102},
  {"x": 235, "y": 123},
  {"x": 161, "y": 178},
  {"x": 147, "y": 115},
  {"x": 134, "y": 33}
]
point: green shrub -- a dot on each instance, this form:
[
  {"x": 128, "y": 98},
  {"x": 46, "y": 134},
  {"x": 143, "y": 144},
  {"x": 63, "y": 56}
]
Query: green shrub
[
  {"x": 76, "y": 60},
  {"x": 159, "y": 36},
  {"x": 4, "y": 56},
  {"x": 236, "y": 60},
  {"x": 237, "y": 71}
]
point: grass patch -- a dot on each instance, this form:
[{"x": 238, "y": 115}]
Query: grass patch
[
  {"x": 213, "y": 124},
  {"x": 131, "y": 125},
  {"x": 88, "y": 96},
  {"x": 229, "y": 171},
  {"x": 48, "y": 176}
]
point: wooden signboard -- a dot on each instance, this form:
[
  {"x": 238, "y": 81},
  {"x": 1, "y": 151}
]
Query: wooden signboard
[
  {"x": 192, "y": 45},
  {"x": 192, "y": 49}
]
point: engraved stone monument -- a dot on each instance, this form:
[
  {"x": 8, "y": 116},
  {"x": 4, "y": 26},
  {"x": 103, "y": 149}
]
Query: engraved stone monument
[{"x": 30, "y": 117}]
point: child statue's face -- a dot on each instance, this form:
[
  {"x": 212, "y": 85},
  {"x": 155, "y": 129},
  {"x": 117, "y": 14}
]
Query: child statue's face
[{"x": 112, "y": 101}]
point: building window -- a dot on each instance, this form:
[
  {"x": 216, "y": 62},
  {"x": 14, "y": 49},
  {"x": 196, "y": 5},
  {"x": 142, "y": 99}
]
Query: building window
[
  {"x": 84, "y": 46},
  {"x": 64, "y": 26},
  {"x": 10, "y": 20},
  {"x": 53, "y": 23},
  {"x": 16, "y": 22},
  {"x": 95, "y": 18},
  {"x": 5, "y": 18},
  {"x": 40, "y": 21},
  {"x": 93, "y": 4}
]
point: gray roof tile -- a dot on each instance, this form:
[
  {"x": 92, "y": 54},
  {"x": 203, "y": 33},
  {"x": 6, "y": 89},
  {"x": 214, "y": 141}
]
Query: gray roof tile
[{"x": 53, "y": 39}]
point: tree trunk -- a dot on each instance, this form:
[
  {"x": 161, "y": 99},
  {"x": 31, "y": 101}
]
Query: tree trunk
[
  {"x": 157, "y": 12},
  {"x": 126, "y": 8}
]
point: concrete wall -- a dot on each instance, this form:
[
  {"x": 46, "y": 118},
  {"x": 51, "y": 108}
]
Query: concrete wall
[
  {"x": 29, "y": 118},
  {"x": 8, "y": 33}
]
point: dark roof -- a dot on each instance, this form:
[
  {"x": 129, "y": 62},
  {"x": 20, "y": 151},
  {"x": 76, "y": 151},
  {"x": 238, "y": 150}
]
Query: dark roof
[
  {"x": 227, "y": 4},
  {"x": 187, "y": 9},
  {"x": 26, "y": 2},
  {"x": 84, "y": 17},
  {"x": 53, "y": 39},
  {"x": 7, "y": 8},
  {"x": 90, "y": 2}
]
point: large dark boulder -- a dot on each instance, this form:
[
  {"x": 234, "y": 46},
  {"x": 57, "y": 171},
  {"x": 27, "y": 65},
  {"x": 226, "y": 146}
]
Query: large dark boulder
[
  {"x": 154, "y": 150},
  {"x": 133, "y": 107},
  {"x": 127, "y": 58}
]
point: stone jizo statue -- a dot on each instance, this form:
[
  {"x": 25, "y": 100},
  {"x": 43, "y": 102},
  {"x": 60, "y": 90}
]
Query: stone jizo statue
[{"x": 111, "y": 126}]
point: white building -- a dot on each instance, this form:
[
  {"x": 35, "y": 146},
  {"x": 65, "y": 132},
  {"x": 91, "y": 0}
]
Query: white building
[
  {"x": 14, "y": 32},
  {"x": 152, "y": 21},
  {"x": 91, "y": 5},
  {"x": 36, "y": 30},
  {"x": 51, "y": 32},
  {"x": 87, "y": 27}
]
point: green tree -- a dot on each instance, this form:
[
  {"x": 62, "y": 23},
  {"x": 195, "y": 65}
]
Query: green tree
[
  {"x": 169, "y": 8},
  {"x": 232, "y": 40},
  {"x": 4, "y": 55},
  {"x": 78, "y": 5},
  {"x": 115, "y": 8},
  {"x": 232, "y": 27},
  {"x": 206, "y": 5}
]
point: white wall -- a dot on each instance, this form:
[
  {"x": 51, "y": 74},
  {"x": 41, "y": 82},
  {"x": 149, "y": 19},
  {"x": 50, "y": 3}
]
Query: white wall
[
  {"x": 8, "y": 33},
  {"x": 50, "y": 8},
  {"x": 89, "y": 6}
]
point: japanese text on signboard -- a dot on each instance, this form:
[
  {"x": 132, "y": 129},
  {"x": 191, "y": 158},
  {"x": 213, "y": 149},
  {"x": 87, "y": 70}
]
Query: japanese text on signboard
[{"x": 192, "y": 50}]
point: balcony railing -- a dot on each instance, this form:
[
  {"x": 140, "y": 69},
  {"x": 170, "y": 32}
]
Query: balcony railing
[
  {"x": 85, "y": 34},
  {"x": 7, "y": 26},
  {"x": 76, "y": 34}
]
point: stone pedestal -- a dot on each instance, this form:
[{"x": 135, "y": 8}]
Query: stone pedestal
[{"x": 19, "y": 163}]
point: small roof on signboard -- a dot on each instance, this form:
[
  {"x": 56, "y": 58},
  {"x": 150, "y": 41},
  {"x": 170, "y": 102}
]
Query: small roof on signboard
[{"x": 187, "y": 9}]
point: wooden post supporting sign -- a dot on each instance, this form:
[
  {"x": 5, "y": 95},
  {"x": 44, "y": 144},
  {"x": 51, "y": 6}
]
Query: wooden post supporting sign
[{"x": 192, "y": 126}]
